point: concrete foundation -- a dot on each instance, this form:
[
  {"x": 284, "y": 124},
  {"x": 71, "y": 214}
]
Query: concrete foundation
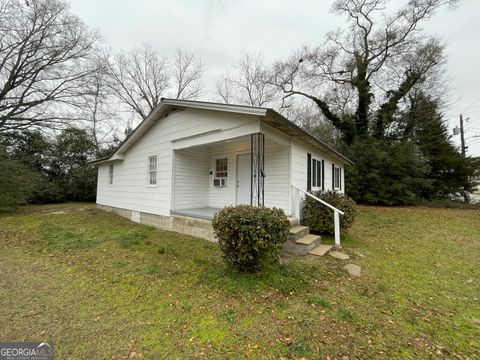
[{"x": 201, "y": 228}]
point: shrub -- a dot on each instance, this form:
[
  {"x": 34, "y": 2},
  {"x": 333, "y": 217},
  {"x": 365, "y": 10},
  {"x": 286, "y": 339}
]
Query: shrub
[
  {"x": 319, "y": 217},
  {"x": 17, "y": 183},
  {"x": 250, "y": 236}
]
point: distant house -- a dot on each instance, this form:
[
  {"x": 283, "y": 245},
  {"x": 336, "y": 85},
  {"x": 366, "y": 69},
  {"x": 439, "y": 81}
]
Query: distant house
[{"x": 189, "y": 159}]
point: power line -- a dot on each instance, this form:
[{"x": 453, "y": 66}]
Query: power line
[
  {"x": 475, "y": 142},
  {"x": 472, "y": 121},
  {"x": 469, "y": 106}
]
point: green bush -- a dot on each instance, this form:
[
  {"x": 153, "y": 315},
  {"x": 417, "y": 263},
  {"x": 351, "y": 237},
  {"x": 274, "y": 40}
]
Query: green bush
[
  {"x": 17, "y": 183},
  {"x": 250, "y": 236},
  {"x": 319, "y": 217}
]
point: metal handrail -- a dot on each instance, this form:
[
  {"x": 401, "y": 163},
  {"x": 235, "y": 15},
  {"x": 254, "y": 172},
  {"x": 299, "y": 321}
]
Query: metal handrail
[
  {"x": 319, "y": 200},
  {"x": 336, "y": 213}
]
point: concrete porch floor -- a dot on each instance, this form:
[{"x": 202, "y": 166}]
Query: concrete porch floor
[{"x": 206, "y": 213}]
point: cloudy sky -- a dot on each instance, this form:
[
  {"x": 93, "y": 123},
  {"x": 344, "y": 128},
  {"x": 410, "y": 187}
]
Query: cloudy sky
[{"x": 216, "y": 31}]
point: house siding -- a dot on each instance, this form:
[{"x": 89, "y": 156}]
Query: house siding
[
  {"x": 185, "y": 174},
  {"x": 277, "y": 175},
  {"x": 129, "y": 189},
  {"x": 191, "y": 178},
  {"x": 299, "y": 166},
  {"x": 223, "y": 196},
  {"x": 194, "y": 169}
]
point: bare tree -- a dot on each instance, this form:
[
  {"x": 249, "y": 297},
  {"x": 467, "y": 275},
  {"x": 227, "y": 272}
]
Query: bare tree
[
  {"x": 249, "y": 84},
  {"x": 308, "y": 116},
  {"x": 381, "y": 57},
  {"x": 140, "y": 78},
  {"x": 97, "y": 107},
  {"x": 187, "y": 76},
  {"x": 45, "y": 55}
]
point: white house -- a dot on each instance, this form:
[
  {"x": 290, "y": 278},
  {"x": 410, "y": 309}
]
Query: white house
[{"x": 188, "y": 159}]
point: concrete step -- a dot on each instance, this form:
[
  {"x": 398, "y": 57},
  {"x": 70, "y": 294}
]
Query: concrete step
[
  {"x": 301, "y": 246},
  {"x": 296, "y": 232},
  {"x": 320, "y": 250},
  {"x": 309, "y": 239},
  {"x": 339, "y": 255},
  {"x": 308, "y": 242},
  {"x": 293, "y": 221}
]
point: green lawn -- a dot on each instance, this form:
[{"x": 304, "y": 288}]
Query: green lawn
[{"x": 100, "y": 286}]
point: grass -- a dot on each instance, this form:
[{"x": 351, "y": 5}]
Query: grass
[{"x": 99, "y": 286}]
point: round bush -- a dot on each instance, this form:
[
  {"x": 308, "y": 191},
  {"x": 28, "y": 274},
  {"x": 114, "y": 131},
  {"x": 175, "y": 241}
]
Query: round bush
[
  {"x": 250, "y": 236},
  {"x": 319, "y": 217}
]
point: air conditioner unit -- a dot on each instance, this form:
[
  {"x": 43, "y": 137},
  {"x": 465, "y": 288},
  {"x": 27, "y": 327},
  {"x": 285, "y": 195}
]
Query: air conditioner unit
[{"x": 220, "y": 182}]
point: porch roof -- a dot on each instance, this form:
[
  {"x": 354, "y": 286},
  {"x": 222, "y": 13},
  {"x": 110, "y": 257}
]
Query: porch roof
[{"x": 268, "y": 116}]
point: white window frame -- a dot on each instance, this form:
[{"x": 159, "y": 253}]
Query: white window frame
[
  {"x": 152, "y": 172},
  {"x": 318, "y": 167},
  {"x": 222, "y": 180},
  {"x": 110, "y": 174},
  {"x": 337, "y": 174}
]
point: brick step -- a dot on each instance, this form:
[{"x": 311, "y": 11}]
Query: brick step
[
  {"x": 320, "y": 250},
  {"x": 297, "y": 232}
]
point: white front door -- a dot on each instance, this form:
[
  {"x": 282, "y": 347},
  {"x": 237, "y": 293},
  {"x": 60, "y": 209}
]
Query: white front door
[{"x": 243, "y": 179}]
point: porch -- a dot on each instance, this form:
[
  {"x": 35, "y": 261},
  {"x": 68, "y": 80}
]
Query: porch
[{"x": 250, "y": 169}]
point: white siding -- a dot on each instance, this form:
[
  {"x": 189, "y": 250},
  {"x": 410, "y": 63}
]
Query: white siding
[
  {"x": 129, "y": 189},
  {"x": 191, "y": 174},
  {"x": 192, "y": 180},
  {"x": 222, "y": 196},
  {"x": 194, "y": 176},
  {"x": 277, "y": 175},
  {"x": 299, "y": 166}
]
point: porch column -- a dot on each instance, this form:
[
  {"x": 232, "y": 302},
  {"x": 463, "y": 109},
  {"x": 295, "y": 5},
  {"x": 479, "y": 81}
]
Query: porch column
[{"x": 257, "y": 153}]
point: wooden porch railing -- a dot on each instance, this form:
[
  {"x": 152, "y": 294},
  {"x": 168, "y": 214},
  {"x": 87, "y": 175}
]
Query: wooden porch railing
[{"x": 336, "y": 212}]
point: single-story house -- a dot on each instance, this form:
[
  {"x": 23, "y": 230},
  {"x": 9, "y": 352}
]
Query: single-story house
[{"x": 189, "y": 159}]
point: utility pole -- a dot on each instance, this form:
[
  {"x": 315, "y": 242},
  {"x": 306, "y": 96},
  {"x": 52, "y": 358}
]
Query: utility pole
[
  {"x": 462, "y": 136},
  {"x": 462, "y": 142}
]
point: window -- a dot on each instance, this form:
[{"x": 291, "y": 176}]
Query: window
[
  {"x": 152, "y": 170},
  {"x": 110, "y": 174},
  {"x": 221, "y": 172},
  {"x": 316, "y": 173},
  {"x": 337, "y": 178}
]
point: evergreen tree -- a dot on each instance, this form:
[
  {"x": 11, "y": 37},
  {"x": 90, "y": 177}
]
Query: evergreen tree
[
  {"x": 385, "y": 172},
  {"x": 69, "y": 167},
  {"x": 448, "y": 171}
]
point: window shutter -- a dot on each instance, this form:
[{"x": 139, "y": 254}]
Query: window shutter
[
  {"x": 309, "y": 171},
  {"x": 323, "y": 175},
  {"x": 333, "y": 176},
  {"x": 340, "y": 178}
]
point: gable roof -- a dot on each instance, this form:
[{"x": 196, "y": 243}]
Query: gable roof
[{"x": 269, "y": 117}]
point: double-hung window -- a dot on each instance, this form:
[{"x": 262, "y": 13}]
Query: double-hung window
[
  {"x": 152, "y": 170},
  {"x": 221, "y": 172},
  {"x": 337, "y": 178},
  {"x": 110, "y": 174},
  {"x": 316, "y": 173}
]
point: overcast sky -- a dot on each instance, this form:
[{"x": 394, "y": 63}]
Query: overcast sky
[{"x": 216, "y": 31}]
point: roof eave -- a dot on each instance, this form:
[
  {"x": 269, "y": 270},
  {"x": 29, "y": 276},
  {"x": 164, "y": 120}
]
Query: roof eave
[{"x": 316, "y": 141}]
